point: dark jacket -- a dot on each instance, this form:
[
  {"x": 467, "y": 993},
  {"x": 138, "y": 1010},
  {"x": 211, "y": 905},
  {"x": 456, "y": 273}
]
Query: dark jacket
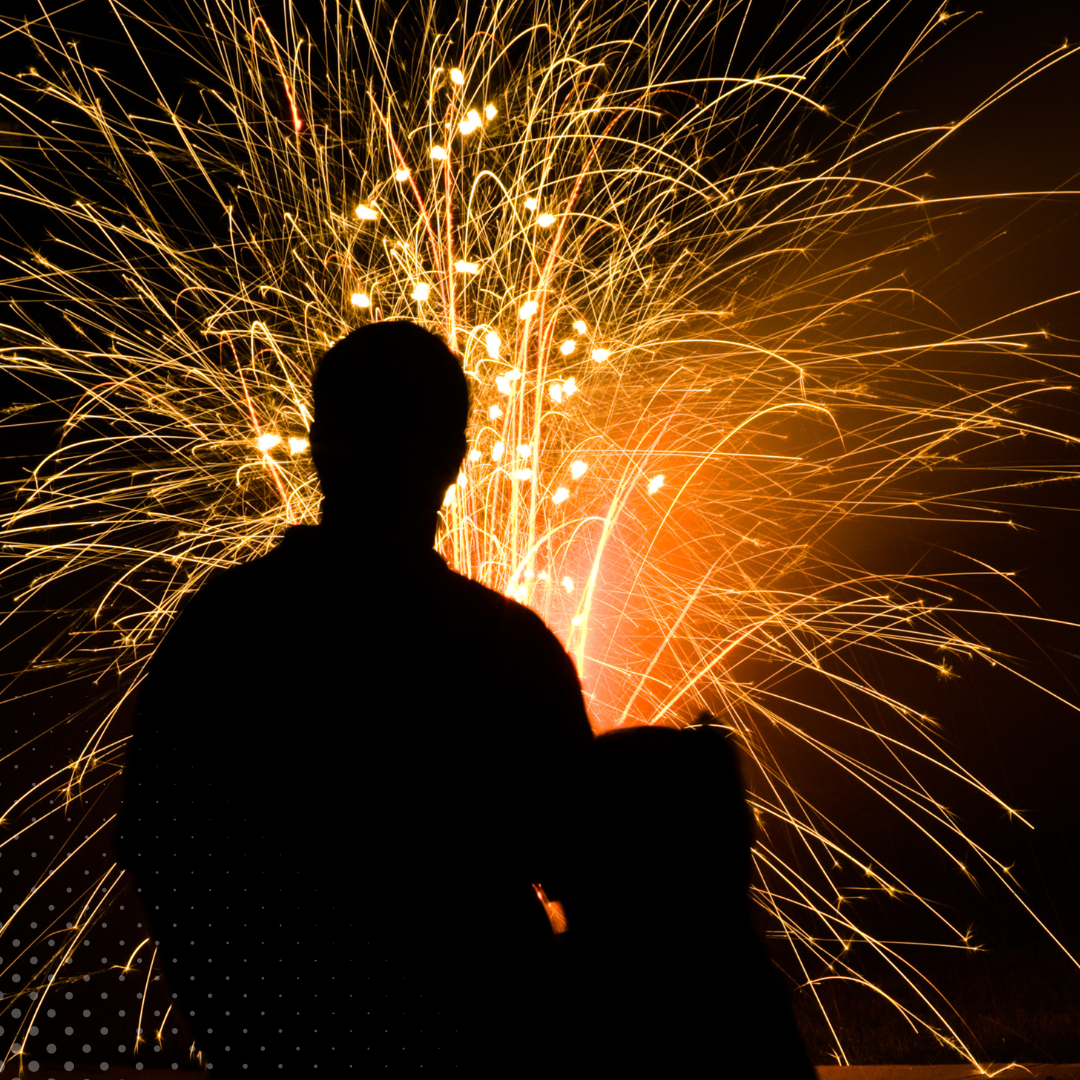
[{"x": 349, "y": 768}]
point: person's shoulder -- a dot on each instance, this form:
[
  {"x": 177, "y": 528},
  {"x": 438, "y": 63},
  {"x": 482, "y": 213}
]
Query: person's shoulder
[
  {"x": 513, "y": 616},
  {"x": 516, "y": 631},
  {"x": 529, "y": 622},
  {"x": 244, "y": 582}
]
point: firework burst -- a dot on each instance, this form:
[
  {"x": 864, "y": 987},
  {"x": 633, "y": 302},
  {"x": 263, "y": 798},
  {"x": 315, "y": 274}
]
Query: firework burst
[{"x": 682, "y": 386}]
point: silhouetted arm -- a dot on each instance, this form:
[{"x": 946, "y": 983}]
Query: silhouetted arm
[
  {"x": 181, "y": 725},
  {"x": 553, "y": 705}
]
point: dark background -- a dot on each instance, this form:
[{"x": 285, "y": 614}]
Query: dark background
[{"x": 997, "y": 258}]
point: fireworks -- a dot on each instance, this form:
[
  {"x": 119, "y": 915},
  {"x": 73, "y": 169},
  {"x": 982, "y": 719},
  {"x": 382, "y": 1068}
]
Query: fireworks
[{"x": 680, "y": 389}]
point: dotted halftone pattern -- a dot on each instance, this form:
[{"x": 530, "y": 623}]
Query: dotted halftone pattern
[
  {"x": 105, "y": 1007},
  {"x": 108, "y": 1005},
  {"x": 79, "y": 994},
  {"x": 93, "y": 1018}
]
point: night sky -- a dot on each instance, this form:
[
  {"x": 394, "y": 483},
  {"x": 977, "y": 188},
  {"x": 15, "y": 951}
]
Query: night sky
[{"x": 1001, "y": 258}]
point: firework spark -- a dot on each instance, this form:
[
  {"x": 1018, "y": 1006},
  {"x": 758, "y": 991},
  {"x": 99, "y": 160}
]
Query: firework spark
[{"x": 681, "y": 389}]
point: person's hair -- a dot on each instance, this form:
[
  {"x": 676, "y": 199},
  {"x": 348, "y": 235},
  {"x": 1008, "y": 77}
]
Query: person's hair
[
  {"x": 676, "y": 821},
  {"x": 389, "y": 394}
]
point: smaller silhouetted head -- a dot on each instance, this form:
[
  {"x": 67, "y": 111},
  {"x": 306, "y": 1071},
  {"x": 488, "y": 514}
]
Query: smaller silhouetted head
[
  {"x": 672, "y": 826},
  {"x": 390, "y": 404}
]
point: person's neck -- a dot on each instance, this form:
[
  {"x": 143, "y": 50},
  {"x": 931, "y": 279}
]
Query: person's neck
[{"x": 394, "y": 529}]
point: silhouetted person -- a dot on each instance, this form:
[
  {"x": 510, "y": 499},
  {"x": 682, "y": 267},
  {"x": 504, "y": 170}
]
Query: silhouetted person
[
  {"x": 350, "y": 765},
  {"x": 668, "y": 974}
]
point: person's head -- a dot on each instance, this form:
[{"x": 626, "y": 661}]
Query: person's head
[
  {"x": 390, "y": 404},
  {"x": 671, "y": 824}
]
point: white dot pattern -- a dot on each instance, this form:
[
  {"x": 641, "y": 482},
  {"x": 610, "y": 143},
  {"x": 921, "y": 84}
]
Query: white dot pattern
[{"x": 89, "y": 1018}]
